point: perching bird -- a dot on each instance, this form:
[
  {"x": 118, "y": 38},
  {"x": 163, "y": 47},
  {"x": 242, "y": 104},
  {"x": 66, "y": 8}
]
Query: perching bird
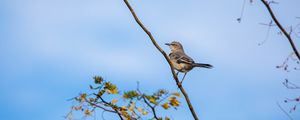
[{"x": 182, "y": 62}]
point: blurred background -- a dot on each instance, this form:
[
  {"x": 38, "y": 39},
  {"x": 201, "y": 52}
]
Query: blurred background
[{"x": 51, "y": 49}]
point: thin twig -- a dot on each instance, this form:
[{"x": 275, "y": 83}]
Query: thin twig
[
  {"x": 164, "y": 98},
  {"x": 102, "y": 115},
  {"x": 287, "y": 114},
  {"x": 296, "y": 33},
  {"x": 267, "y": 4},
  {"x": 290, "y": 85},
  {"x": 284, "y": 64},
  {"x": 152, "y": 107},
  {"x": 105, "y": 109},
  {"x": 147, "y": 103},
  {"x": 166, "y": 57},
  {"x": 268, "y": 32},
  {"x": 115, "y": 109},
  {"x": 242, "y": 12}
]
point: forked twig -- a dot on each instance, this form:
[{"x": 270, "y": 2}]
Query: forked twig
[{"x": 286, "y": 34}]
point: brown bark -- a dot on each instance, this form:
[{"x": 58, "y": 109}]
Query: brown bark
[{"x": 167, "y": 59}]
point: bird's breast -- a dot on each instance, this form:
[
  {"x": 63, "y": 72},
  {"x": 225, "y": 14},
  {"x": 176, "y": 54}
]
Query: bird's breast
[{"x": 181, "y": 67}]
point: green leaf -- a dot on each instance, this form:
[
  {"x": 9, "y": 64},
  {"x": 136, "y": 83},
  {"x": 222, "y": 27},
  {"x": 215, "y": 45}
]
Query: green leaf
[{"x": 98, "y": 80}]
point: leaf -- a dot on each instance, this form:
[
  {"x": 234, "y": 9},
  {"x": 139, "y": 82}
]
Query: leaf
[
  {"x": 113, "y": 91},
  {"x": 130, "y": 94},
  {"x": 123, "y": 107},
  {"x": 144, "y": 112},
  {"x": 152, "y": 99},
  {"x": 131, "y": 109},
  {"x": 167, "y": 118},
  {"x": 111, "y": 88},
  {"x": 114, "y": 101},
  {"x": 165, "y": 106},
  {"x": 87, "y": 112},
  {"x": 82, "y": 97},
  {"x": 140, "y": 109},
  {"x": 98, "y": 80},
  {"x": 126, "y": 115},
  {"x": 174, "y": 102},
  {"x": 162, "y": 91},
  {"x": 131, "y": 106},
  {"x": 176, "y": 94}
]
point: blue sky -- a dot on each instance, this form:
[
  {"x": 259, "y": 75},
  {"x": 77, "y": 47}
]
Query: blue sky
[{"x": 50, "y": 50}]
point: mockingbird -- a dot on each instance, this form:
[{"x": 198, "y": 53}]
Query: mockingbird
[{"x": 182, "y": 62}]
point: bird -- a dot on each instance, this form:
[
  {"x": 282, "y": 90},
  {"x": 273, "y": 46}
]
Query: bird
[{"x": 182, "y": 62}]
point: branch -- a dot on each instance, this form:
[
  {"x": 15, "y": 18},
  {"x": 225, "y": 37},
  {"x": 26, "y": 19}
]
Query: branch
[
  {"x": 290, "y": 85},
  {"x": 284, "y": 111},
  {"x": 115, "y": 109},
  {"x": 103, "y": 108},
  {"x": 152, "y": 108},
  {"x": 286, "y": 34},
  {"x": 147, "y": 103},
  {"x": 166, "y": 57}
]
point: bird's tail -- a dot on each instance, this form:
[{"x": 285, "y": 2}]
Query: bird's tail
[{"x": 202, "y": 65}]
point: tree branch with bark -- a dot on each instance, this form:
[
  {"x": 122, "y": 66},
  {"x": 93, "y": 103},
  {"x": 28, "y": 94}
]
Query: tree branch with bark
[
  {"x": 285, "y": 66},
  {"x": 135, "y": 105},
  {"x": 178, "y": 83},
  {"x": 286, "y": 34}
]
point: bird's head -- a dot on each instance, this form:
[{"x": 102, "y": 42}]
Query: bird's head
[{"x": 175, "y": 46}]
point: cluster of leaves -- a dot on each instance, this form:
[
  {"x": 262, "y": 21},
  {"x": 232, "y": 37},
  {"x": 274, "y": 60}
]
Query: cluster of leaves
[{"x": 128, "y": 105}]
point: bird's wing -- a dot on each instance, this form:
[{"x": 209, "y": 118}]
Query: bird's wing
[
  {"x": 181, "y": 58},
  {"x": 174, "y": 56}
]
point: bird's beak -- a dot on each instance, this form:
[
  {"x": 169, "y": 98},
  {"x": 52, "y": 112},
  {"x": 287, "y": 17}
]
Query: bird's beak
[{"x": 168, "y": 44}]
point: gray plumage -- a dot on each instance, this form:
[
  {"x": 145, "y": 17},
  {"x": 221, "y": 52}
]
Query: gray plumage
[{"x": 181, "y": 61}]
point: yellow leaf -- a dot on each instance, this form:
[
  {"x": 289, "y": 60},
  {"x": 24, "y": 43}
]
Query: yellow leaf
[
  {"x": 167, "y": 118},
  {"x": 144, "y": 112},
  {"x": 130, "y": 94},
  {"x": 126, "y": 115},
  {"x": 114, "y": 101},
  {"x": 152, "y": 100},
  {"x": 177, "y": 94},
  {"x": 82, "y": 97},
  {"x": 111, "y": 88},
  {"x": 125, "y": 96},
  {"x": 174, "y": 102},
  {"x": 165, "y": 105},
  {"x": 131, "y": 109},
  {"x": 131, "y": 106},
  {"x": 112, "y": 91},
  {"x": 87, "y": 112},
  {"x": 98, "y": 79},
  {"x": 140, "y": 109},
  {"x": 124, "y": 107}
]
